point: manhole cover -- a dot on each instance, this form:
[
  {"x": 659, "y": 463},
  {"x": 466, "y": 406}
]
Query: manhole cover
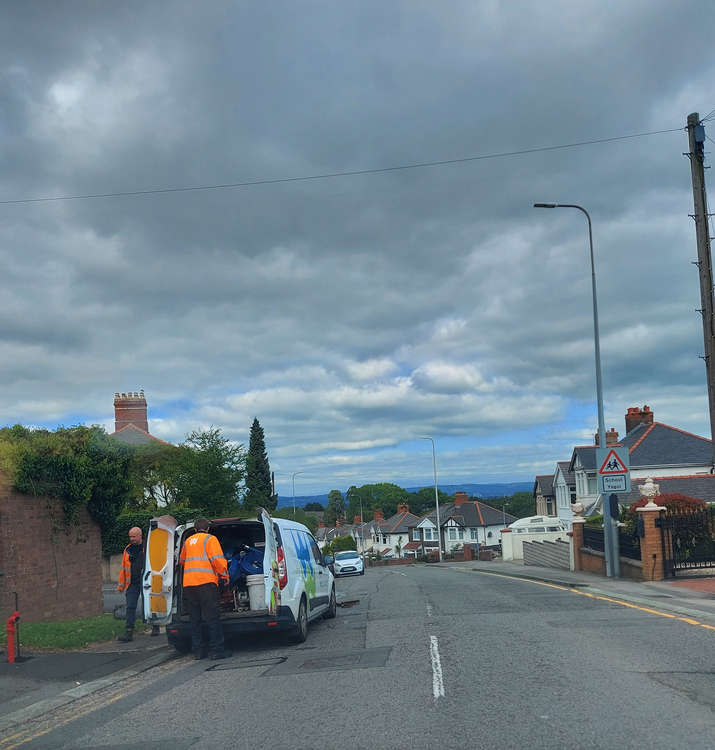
[{"x": 246, "y": 664}]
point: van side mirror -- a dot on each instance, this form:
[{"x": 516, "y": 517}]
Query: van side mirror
[{"x": 328, "y": 559}]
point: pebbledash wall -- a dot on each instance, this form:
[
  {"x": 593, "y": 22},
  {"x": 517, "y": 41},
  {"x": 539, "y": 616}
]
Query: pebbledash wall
[{"x": 54, "y": 567}]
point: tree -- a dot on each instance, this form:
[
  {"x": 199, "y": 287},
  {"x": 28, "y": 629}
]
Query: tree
[
  {"x": 383, "y": 496},
  {"x": 259, "y": 490},
  {"x": 335, "y": 509},
  {"x": 422, "y": 501},
  {"x": 315, "y": 507},
  {"x": 520, "y": 504},
  {"x": 340, "y": 544},
  {"x": 153, "y": 470},
  {"x": 209, "y": 472}
]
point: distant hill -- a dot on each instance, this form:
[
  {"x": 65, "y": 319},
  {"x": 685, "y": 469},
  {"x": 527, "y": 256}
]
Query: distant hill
[{"x": 483, "y": 491}]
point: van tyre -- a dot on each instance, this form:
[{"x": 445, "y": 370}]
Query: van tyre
[
  {"x": 332, "y": 606},
  {"x": 182, "y": 645},
  {"x": 301, "y": 625}
]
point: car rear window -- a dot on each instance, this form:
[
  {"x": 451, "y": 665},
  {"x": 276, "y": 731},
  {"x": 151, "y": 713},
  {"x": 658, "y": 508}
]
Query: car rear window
[{"x": 346, "y": 555}]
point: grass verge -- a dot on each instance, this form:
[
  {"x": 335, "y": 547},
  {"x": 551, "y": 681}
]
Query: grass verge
[{"x": 68, "y": 634}]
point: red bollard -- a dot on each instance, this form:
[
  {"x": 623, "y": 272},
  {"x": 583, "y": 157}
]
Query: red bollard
[{"x": 11, "y": 632}]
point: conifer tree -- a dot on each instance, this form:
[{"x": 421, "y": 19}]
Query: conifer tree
[{"x": 259, "y": 490}]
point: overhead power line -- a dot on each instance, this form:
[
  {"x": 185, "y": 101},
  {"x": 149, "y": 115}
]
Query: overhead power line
[{"x": 334, "y": 175}]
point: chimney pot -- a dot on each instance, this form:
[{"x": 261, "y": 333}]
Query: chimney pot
[{"x": 130, "y": 409}]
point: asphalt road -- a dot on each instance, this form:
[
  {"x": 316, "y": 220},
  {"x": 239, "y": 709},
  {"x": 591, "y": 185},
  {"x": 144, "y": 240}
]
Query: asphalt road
[{"x": 430, "y": 657}]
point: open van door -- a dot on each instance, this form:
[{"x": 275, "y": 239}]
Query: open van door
[
  {"x": 270, "y": 564},
  {"x": 158, "y": 582}
]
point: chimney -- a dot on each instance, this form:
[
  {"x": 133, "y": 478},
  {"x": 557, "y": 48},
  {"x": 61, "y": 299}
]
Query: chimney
[
  {"x": 338, "y": 523},
  {"x": 377, "y": 515},
  {"x": 636, "y": 416},
  {"x": 130, "y": 408},
  {"x": 403, "y": 508},
  {"x": 321, "y": 525},
  {"x": 460, "y": 498},
  {"x": 611, "y": 437},
  {"x": 356, "y": 520}
]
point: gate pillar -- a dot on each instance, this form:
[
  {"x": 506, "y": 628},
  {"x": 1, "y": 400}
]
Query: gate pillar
[{"x": 653, "y": 547}]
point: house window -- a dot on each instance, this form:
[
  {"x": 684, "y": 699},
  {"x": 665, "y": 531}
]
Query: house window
[
  {"x": 452, "y": 533},
  {"x": 461, "y": 533},
  {"x": 416, "y": 535},
  {"x": 474, "y": 534},
  {"x": 428, "y": 535}
]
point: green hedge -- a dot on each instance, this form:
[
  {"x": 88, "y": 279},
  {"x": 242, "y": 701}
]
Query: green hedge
[{"x": 114, "y": 540}]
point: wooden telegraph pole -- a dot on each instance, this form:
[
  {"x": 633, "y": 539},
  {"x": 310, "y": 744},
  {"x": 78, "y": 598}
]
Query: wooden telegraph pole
[{"x": 696, "y": 142}]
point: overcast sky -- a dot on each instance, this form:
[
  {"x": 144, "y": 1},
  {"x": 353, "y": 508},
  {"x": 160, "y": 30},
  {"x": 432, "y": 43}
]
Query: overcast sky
[{"x": 353, "y": 314}]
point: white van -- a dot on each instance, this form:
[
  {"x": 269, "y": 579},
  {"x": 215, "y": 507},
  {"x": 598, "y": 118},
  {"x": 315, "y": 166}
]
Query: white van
[{"x": 293, "y": 587}]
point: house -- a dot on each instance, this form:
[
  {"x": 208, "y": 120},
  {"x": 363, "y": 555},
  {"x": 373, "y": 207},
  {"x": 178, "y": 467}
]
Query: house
[
  {"x": 390, "y": 537},
  {"x": 544, "y": 495},
  {"x": 130, "y": 420},
  {"x": 564, "y": 491},
  {"x": 654, "y": 449},
  {"x": 464, "y": 522}
]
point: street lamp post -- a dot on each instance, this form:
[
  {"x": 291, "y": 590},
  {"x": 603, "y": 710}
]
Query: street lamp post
[
  {"x": 295, "y": 473},
  {"x": 611, "y": 551},
  {"x": 436, "y": 497}
]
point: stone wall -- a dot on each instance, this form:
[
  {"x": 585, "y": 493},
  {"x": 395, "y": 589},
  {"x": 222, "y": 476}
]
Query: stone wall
[{"x": 55, "y": 569}]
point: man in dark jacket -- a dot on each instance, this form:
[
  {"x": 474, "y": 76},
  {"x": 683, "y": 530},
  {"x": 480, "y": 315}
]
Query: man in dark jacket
[{"x": 130, "y": 579}]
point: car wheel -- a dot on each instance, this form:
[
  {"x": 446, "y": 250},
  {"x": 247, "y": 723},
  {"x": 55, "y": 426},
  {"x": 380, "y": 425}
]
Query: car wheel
[
  {"x": 332, "y": 607},
  {"x": 301, "y": 626},
  {"x": 362, "y": 572}
]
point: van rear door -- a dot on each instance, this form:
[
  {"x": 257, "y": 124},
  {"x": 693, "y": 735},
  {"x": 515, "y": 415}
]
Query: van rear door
[
  {"x": 158, "y": 583},
  {"x": 270, "y": 564}
]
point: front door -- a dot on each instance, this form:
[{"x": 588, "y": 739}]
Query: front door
[{"x": 158, "y": 581}]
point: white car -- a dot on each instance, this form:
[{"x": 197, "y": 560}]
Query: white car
[
  {"x": 291, "y": 586},
  {"x": 348, "y": 564}
]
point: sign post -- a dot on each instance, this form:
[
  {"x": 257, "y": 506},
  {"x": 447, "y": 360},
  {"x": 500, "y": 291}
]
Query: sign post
[{"x": 613, "y": 478}]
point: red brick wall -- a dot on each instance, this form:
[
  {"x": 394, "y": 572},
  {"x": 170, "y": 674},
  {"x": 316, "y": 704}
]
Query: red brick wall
[{"x": 55, "y": 569}]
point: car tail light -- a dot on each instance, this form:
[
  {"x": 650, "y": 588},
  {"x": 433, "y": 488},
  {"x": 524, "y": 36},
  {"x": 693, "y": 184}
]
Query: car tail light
[{"x": 282, "y": 569}]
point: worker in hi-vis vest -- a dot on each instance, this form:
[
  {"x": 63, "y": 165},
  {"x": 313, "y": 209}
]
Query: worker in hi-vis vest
[
  {"x": 130, "y": 578},
  {"x": 204, "y": 568}
]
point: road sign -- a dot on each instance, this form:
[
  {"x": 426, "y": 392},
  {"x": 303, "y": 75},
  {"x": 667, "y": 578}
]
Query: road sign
[{"x": 613, "y": 472}]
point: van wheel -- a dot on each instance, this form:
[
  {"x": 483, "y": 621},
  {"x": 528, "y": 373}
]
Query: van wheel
[
  {"x": 301, "y": 626},
  {"x": 332, "y": 607}
]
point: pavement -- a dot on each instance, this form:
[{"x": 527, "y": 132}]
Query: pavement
[{"x": 43, "y": 681}]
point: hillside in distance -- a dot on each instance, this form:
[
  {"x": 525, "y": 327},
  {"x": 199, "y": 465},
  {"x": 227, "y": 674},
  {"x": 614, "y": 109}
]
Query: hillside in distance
[{"x": 484, "y": 491}]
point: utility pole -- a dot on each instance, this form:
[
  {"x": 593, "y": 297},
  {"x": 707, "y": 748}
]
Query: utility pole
[{"x": 696, "y": 142}]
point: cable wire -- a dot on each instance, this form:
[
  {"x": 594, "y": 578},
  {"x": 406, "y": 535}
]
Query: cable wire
[{"x": 332, "y": 175}]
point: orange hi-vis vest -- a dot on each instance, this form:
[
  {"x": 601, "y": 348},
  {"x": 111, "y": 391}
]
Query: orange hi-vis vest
[
  {"x": 125, "y": 574},
  {"x": 203, "y": 560}
]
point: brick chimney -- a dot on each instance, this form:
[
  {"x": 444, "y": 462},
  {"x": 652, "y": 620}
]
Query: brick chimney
[
  {"x": 321, "y": 525},
  {"x": 377, "y": 515},
  {"x": 130, "y": 408},
  {"x": 338, "y": 523},
  {"x": 356, "y": 520},
  {"x": 636, "y": 416},
  {"x": 460, "y": 498},
  {"x": 403, "y": 508},
  {"x": 611, "y": 437}
]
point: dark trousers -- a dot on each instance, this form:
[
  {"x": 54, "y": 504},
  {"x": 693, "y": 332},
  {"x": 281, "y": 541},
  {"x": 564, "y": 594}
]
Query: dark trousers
[
  {"x": 202, "y": 603},
  {"x": 132, "y": 599}
]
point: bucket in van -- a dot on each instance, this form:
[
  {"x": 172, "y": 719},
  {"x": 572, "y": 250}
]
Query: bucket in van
[{"x": 256, "y": 591}]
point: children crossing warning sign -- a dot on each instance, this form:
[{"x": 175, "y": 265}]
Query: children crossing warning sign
[
  {"x": 613, "y": 472},
  {"x": 613, "y": 464}
]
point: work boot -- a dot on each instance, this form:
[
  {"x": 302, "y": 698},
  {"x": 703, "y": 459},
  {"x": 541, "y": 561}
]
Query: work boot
[
  {"x": 128, "y": 636},
  {"x": 155, "y": 630}
]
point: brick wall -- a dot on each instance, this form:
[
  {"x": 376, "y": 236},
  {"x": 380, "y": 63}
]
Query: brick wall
[{"x": 56, "y": 570}]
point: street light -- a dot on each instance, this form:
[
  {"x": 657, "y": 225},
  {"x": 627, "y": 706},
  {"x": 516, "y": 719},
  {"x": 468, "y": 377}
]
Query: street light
[
  {"x": 436, "y": 497},
  {"x": 612, "y": 560},
  {"x": 503, "y": 510},
  {"x": 295, "y": 473}
]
